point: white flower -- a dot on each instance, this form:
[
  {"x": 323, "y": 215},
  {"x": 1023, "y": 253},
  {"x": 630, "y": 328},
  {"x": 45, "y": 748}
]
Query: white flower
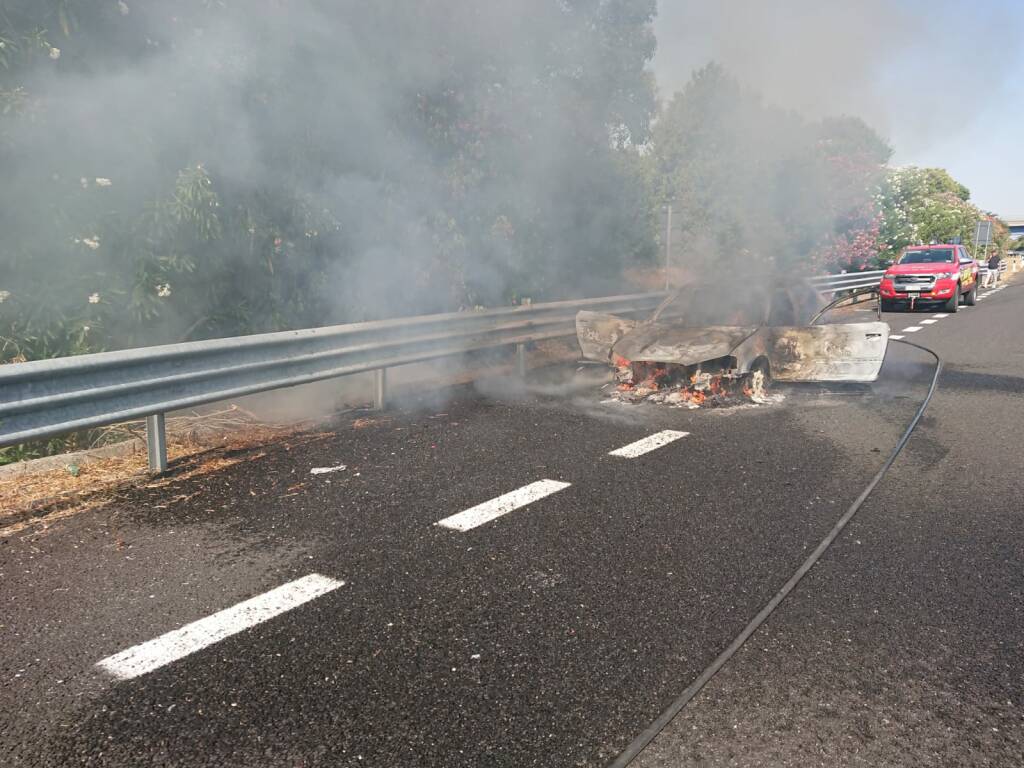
[
  {"x": 86, "y": 328},
  {"x": 164, "y": 290},
  {"x": 4, "y": 296},
  {"x": 55, "y": 53},
  {"x": 93, "y": 242},
  {"x": 101, "y": 182},
  {"x": 94, "y": 298}
]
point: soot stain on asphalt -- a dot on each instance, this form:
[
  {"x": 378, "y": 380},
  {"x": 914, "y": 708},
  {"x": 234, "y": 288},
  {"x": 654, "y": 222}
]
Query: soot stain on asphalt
[{"x": 965, "y": 379}]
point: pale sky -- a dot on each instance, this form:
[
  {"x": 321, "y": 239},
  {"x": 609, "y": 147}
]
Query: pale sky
[{"x": 943, "y": 80}]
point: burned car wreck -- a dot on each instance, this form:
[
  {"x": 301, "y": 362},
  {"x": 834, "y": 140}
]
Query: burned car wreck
[{"x": 699, "y": 348}]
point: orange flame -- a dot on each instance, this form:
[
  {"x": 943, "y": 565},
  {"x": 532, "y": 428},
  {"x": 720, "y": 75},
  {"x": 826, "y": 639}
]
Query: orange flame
[{"x": 649, "y": 377}]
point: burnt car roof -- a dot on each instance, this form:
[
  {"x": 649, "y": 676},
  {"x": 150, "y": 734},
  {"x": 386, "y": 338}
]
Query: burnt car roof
[{"x": 764, "y": 323}]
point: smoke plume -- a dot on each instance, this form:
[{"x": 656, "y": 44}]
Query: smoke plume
[
  {"x": 916, "y": 70},
  {"x": 185, "y": 170}
]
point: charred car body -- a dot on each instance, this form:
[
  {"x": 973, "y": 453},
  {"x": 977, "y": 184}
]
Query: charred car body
[{"x": 697, "y": 345}]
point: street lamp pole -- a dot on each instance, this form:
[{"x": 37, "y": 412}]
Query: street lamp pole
[{"x": 668, "y": 246}]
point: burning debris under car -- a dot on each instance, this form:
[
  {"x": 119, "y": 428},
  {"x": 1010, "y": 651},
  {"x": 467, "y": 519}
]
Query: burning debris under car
[
  {"x": 674, "y": 385},
  {"x": 694, "y": 351}
]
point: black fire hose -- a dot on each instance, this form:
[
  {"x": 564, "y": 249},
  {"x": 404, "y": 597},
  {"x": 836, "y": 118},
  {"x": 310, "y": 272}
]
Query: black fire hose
[{"x": 640, "y": 742}]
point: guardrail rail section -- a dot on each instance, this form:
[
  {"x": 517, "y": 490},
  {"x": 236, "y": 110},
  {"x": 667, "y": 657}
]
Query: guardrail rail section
[
  {"x": 848, "y": 281},
  {"x": 45, "y": 398}
]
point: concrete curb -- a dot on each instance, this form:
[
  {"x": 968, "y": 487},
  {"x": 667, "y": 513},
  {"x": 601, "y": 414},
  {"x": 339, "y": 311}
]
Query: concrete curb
[{"x": 79, "y": 458}]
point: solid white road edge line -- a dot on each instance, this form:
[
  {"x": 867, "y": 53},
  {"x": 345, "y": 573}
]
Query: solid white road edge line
[
  {"x": 193, "y": 637},
  {"x": 495, "y": 508},
  {"x": 648, "y": 444}
]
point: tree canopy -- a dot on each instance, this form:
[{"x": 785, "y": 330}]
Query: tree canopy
[
  {"x": 196, "y": 169},
  {"x": 752, "y": 183},
  {"x": 921, "y": 205}
]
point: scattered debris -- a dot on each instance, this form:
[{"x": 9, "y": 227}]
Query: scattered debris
[
  {"x": 327, "y": 470},
  {"x": 198, "y": 444}
]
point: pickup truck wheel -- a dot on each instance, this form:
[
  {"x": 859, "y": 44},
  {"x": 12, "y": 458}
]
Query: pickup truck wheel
[
  {"x": 954, "y": 301},
  {"x": 972, "y": 296}
]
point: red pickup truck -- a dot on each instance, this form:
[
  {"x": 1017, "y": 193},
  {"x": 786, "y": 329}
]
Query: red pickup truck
[{"x": 930, "y": 275}]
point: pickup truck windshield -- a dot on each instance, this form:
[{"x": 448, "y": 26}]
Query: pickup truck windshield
[{"x": 930, "y": 256}]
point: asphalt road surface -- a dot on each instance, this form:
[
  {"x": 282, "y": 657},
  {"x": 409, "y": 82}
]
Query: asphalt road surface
[{"x": 264, "y": 615}]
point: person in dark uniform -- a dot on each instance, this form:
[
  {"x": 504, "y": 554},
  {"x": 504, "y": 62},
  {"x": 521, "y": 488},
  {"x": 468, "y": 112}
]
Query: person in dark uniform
[{"x": 993, "y": 270}]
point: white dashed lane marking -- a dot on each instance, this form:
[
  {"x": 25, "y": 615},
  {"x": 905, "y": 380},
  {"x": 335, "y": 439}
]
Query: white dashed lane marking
[
  {"x": 929, "y": 322},
  {"x": 896, "y": 337},
  {"x": 648, "y": 444},
  {"x": 940, "y": 316},
  {"x": 495, "y": 508},
  {"x": 912, "y": 329},
  {"x": 193, "y": 637}
]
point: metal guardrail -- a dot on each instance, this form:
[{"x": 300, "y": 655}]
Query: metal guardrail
[
  {"x": 847, "y": 281},
  {"x": 1003, "y": 267},
  {"x": 869, "y": 279},
  {"x": 50, "y": 397}
]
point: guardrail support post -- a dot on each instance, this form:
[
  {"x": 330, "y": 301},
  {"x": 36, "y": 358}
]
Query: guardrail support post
[
  {"x": 156, "y": 443},
  {"x": 521, "y": 360},
  {"x": 380, "y": 389}
]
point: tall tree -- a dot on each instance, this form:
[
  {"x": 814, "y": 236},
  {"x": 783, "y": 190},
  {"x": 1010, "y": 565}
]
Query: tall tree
[
  {"x": 195, "y": 169},
  {"x": 755, "y": 186},
  {"x": 922, "y": 205}
]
